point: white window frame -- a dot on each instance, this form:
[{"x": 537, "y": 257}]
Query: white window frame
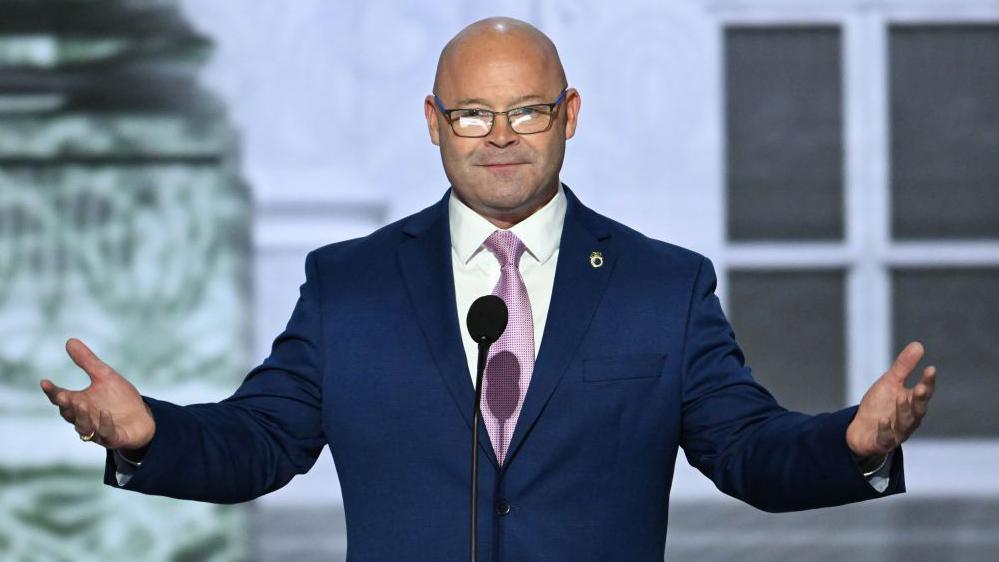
[{"x": 935, "y": 466}]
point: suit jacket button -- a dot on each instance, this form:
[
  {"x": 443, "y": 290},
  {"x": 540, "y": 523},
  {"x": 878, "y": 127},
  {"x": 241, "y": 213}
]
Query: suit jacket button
[{"x": 502, "y": 507}]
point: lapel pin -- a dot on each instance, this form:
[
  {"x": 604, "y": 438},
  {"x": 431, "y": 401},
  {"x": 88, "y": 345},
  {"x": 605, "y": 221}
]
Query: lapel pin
[{"x": 596, "y": 259}]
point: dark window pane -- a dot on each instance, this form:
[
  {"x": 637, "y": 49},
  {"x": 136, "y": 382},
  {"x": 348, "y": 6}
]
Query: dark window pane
[
  {"x": 945, "y": 131},
  {"x": 783, "y": 99},
  {"x": 790, "y": 324},
  {"x": 955, "y": 314}
]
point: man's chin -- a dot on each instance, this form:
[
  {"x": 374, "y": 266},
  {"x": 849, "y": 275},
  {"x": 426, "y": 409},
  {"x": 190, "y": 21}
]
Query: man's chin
[
  {"x": 514, "y": 207},
  {"x": 508, "y": 201}
]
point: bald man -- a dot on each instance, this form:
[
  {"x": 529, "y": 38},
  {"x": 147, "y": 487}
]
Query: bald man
[{"x": 616, "y": 354}]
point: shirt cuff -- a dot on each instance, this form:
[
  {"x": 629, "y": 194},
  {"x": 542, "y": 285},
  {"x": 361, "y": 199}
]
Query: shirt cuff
[
  {"x": 124, "y": 468},
  {"x": 879, "y": 478}
]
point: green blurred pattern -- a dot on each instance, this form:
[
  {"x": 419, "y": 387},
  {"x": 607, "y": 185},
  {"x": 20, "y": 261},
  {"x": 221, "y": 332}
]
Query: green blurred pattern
[
  {"x": 124, "y": 222},
  {"x": 58, "y": 513}
]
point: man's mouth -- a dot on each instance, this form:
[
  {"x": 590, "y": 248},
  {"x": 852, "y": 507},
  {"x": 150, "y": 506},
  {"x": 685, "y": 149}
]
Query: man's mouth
[{"x": 502, "y": 164}]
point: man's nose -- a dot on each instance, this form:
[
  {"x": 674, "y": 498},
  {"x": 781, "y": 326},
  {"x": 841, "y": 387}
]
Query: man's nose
[{"x": 502, "y": 134}]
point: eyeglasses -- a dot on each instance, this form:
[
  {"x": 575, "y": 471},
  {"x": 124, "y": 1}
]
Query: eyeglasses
[{"x": 526, "y": 120}]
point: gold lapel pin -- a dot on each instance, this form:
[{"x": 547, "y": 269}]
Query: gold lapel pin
[{"x": 596, "y": 259}]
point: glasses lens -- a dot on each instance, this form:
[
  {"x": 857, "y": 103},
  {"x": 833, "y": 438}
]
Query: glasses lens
[
  {"x": 472, "y": 123},
  {"x": 528, "y": 120}
]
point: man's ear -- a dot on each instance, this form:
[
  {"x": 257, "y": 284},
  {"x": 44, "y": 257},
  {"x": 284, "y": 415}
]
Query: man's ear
[
  {"x": 430, "y": 111},
  {"x": 571, "y": 106}
]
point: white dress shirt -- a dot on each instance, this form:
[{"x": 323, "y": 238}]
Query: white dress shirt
[{"x": 477, "y": 270}]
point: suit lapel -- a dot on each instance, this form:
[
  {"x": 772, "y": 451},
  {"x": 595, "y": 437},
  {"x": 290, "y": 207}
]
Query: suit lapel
[
  {"x": 425, "y": 262},
  {"x": 577, "y": 291}
]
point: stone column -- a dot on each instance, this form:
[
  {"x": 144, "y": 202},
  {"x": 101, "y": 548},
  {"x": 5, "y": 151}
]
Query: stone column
[{"x": 124, "y": 222}]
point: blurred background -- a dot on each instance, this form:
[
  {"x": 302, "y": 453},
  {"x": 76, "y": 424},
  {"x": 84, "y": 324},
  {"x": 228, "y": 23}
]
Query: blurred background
[{"x": 165, "y": 165}]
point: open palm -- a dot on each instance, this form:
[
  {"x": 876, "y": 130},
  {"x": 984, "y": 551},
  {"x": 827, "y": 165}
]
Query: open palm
[
  {"x": 110, "y": 411},
  {"x": 889, "y": 412}
]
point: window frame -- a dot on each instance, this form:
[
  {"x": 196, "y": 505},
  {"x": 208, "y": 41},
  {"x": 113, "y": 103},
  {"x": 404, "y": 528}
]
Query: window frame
[{"x": 867, "y": 254}]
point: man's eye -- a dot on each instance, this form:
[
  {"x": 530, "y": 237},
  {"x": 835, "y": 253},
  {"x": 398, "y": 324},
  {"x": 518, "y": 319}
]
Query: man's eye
[
  {"x": 472, "y": 114},
  {"x": 526, "y": 112}
]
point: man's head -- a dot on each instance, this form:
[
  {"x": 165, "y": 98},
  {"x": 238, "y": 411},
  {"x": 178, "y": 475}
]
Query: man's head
[{"x": 501, "y": 64}]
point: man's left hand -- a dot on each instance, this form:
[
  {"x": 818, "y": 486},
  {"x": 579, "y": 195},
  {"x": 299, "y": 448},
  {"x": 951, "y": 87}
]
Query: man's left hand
[{"x": 889, "y": 412}]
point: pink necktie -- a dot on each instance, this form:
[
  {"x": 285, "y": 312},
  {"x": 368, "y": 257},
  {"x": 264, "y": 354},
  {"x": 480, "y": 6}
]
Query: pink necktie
[{"x": 511, "y": 358}]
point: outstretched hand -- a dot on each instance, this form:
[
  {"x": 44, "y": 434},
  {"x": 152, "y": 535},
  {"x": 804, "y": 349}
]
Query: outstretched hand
[
  {"x": 889, "y": 412},
  {"x": 109, "y": 412}
]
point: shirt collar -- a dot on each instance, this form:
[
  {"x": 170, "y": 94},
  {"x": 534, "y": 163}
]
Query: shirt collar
[{"x": 540, "y": 232}]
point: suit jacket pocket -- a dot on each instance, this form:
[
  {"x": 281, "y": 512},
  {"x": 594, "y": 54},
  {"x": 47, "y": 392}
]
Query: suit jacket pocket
[{"x": 623, "y": 367}]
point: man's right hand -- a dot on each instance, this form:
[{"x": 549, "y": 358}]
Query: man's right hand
[{"x": 110, "y": 407}]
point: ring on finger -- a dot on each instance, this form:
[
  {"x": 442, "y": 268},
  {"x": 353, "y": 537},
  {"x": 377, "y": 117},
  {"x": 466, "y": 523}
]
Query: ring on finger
[{"x": 87, "y": 437}]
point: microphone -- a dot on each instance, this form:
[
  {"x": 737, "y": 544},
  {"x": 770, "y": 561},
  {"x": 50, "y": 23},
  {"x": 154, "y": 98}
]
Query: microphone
[{"x": 486, "y": 321}]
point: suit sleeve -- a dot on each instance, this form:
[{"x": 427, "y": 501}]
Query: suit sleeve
[
  {"x": 736, "y": 434},
  {"x": 256, "y": 440}
]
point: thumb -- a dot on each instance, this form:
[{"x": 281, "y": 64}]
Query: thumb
[{"x": 86, "y": 360}]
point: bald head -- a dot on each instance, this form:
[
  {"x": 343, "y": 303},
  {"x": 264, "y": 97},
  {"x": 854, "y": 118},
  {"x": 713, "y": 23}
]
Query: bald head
[
  {"x": 501, "y": 66},
  {"x": 494, "y": 40}
]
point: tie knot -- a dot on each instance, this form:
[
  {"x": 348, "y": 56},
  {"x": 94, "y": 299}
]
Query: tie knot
[{"x": 506, "y": 247}]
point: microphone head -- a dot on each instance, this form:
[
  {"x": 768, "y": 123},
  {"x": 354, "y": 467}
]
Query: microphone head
[{"x": 487, "y": 319}]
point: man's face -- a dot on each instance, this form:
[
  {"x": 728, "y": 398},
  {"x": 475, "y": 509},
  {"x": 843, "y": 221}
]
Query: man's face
[{"x": 504, "y": 176}]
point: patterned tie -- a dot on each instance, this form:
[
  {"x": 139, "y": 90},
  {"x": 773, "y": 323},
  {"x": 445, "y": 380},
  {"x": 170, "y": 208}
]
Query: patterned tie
[{"x": 511, "y": 357}]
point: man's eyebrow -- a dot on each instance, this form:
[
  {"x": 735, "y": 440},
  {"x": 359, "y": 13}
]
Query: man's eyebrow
[{"x": 521, "y": 99}]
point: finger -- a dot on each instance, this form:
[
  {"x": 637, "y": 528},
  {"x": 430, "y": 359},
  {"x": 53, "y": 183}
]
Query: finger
[
  {"x": 906, "y": 361},
  {"x": 51, "y": 390},
  {"x": 84, "y": 425},
  {"x": 905, "y": 420},
  {"x": 886, "y": 437},
  {"x": 67, "y": 414},
  {"x": 928, "y": 381},
  {"x": 96, "y": 438},
  {"x": 923, "y": 391},
  {"x": 106, "y": 430},
  {"x": 64, "y": 398},
  {"x": 86, "y": 360}
]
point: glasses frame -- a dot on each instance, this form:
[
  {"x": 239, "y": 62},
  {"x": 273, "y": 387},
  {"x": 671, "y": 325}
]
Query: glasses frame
[{"x": 551, "y": 108}]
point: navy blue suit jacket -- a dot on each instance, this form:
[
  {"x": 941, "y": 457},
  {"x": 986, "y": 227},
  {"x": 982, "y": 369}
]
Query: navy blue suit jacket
[{"x": 637, "y": 359}]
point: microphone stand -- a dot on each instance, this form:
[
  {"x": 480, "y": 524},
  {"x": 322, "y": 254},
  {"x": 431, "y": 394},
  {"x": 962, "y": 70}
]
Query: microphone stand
[
  {"x": 484, "y": 344},
  {"x": 486, "y": 321}
]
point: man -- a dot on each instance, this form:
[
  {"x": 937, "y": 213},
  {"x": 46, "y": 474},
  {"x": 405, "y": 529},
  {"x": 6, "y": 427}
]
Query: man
[{"x": 616, "y": 354}]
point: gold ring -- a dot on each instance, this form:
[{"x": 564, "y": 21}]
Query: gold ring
[{"x": 87, "y": 437}]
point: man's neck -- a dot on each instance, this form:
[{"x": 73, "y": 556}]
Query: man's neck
[{"x": 506, "y": 221}]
